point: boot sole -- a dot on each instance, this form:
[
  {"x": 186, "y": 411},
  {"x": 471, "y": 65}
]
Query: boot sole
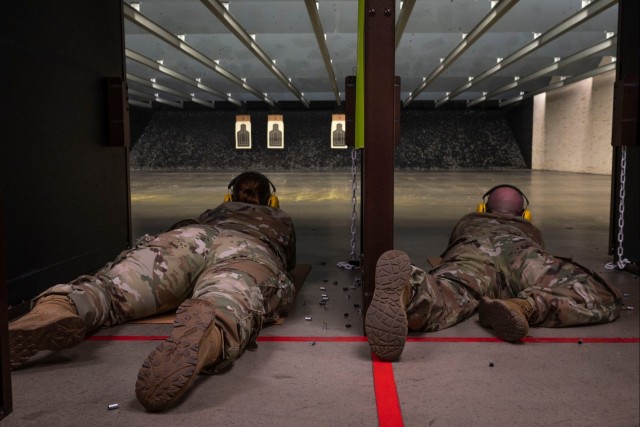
[
  {"x": 44, "y": 333},
  {"x": 386, "y": 319},
  {"x": 508, "y": 324},
  {"x": 170, "y": 369}
]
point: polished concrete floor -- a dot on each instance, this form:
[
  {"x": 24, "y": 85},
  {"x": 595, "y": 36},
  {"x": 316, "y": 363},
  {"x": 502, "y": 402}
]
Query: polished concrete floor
[{"x": 319, "y": 371}]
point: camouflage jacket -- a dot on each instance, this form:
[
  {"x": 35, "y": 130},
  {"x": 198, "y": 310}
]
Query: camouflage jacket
[
  {"x": 476, "y": 226},
  {"x": 272, "y": 226}
]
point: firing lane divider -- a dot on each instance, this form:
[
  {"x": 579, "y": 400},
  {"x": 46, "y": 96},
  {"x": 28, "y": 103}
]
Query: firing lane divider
[
  {"x": 384, "y": 384},
  {"x": 386, "y": 393}
]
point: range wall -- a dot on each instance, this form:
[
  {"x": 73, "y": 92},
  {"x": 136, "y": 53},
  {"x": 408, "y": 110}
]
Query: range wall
[
  {"x": 429, "y": 140},
  {"x": 572, "y": 127}
]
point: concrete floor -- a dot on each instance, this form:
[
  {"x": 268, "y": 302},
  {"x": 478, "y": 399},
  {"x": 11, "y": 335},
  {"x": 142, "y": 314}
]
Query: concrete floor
[{"x": 319, "y": 371}]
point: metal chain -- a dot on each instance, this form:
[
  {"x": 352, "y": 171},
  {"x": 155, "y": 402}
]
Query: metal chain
[
  {"x": 353, "y": 263},
  {"x": 354, "y": 185},
  {"x": 622, "y": 262}
]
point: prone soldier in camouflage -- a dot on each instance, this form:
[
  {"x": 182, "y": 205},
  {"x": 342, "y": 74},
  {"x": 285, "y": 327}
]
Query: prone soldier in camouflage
[
  {"x": 226, "y": 273},
  {"x": 495, "y": 263}
]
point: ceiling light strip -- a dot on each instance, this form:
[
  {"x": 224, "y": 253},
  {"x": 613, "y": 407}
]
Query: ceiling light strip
[
  {"x": 548, "y": 69},
  {"x": 140, "y": 94},
  {"x": 141, "y": 59},
  {"x": 556, "y": 85},
  {"x": 142, "y": 104},
  {"x": 154, "y": 85},
  {"x": 202, "y": 102},
  {"x": 230, "y": 22},
  {"x": 314, "y": 16},
  {"x": 405, "y": 13},
  {"x": 153, "y": 98},
  {"x": 167, "y": 102},
  {"x": 483, "y": 26},
  {"x": 137, "y": 18},
  {"x": 582, "y": 15}
]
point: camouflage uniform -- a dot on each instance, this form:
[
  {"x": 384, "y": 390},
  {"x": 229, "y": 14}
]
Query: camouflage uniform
[
  {"x": 493, "y": 256},
  {"x": 237, "y": 256}
]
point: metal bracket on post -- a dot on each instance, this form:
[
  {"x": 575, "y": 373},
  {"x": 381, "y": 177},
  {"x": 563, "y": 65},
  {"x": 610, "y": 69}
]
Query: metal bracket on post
[{"x": 117, "y": 112}]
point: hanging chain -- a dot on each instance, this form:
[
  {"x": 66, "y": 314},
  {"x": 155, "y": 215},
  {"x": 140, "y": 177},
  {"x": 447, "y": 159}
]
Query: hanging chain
[
  {"x": 622, "y": 262},
  {"x": 354, "y": 185},
  {"x": 353, "y": 263}
]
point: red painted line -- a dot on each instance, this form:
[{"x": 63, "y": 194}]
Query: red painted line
[
  {"x": 592, "y": 340},
  {"x": 386, "y": 393},
  {"x": 387, "y": 402},
  {"x": 547, "y": 340}
]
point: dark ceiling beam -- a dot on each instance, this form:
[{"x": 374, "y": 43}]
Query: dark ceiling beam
[
  {"x": 234, "y": 26},
  {"x": 139, "y": 19},
  {"x": 610, "y": 42},
  {"x": 584, "y": 14},
  {"x": 483, "y": 26},
  {"x": 314, "y": 16},
  {"x": 141, "y": 59}
]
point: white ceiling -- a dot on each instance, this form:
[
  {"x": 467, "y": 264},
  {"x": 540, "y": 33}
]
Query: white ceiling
[{"x": 193, "y": 67}]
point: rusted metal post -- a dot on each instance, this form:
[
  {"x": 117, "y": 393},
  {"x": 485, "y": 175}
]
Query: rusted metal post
[
  {"x": 379, "y": 137},
  {"x": 626, "y": 135}
]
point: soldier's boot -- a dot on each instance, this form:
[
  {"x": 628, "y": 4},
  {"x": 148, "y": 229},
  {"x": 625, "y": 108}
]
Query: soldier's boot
[
  {"x": 509, "y": 318},
  {"x": 52, "y": 324},
  {"x": 170, "y": 370},
  {"x": 386, "y": 318}
]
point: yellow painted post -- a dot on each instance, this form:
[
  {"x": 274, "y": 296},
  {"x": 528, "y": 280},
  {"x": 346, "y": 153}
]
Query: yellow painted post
[{"x": 359, "y": 119}]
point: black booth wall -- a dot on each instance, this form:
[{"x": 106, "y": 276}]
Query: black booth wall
[{"x": 64, "y": 189}]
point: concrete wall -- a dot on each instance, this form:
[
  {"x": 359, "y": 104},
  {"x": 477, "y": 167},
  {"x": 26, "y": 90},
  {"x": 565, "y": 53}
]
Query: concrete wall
[
  {"x": 572, "y": 127},
  {"x": 429, "y": 140}
]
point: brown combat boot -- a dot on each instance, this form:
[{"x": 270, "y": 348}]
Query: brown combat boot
[
  {"x": 509, "y": 318},
  {"x": 52, "y": 324},
  {"x": 170, "y": 369},
  {"x": 386, "y": 319}
]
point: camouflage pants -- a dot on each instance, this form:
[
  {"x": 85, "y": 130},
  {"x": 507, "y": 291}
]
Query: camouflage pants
[
  {"x": 563, "y": 293},
  {"x": 239, "y": 274}
]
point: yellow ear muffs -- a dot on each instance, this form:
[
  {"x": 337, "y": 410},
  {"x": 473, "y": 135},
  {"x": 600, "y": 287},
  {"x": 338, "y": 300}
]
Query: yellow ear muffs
[
  {"x": 273, "y": 201},
  {"x": 229, "y": 196},
  {"x": 482, "y": 206}
]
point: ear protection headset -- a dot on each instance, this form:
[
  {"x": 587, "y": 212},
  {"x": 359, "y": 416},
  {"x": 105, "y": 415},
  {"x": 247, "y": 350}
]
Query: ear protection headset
[
  {"x": 273, "y": 201},
  {"x": 526, "y": 213}
]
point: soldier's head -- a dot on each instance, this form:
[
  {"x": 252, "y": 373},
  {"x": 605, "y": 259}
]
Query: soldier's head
[
  {"x": 506, "y": 200},
  {"x": 252, "y": 187}
]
